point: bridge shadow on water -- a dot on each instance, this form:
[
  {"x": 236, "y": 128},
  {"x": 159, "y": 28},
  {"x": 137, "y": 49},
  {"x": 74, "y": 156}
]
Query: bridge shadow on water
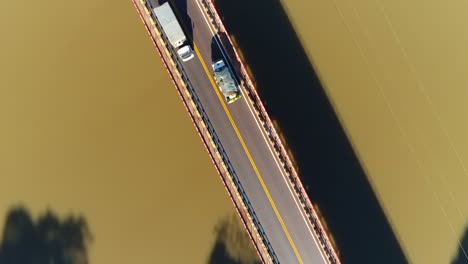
[
  {"x": 295, "y": 98},
  {"x": 462, "y": 255}
]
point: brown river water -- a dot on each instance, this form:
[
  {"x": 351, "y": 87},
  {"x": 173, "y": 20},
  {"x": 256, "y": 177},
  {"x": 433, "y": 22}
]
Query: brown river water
[
  {"x": 370, "y": 95},
  {"x": 92, "y": 125}
]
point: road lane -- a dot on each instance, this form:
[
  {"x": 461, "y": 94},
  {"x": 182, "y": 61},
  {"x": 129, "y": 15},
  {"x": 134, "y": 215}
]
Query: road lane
[
  {"x": 287, "y": 230},
  {"x": 252, "y": 162},
  {"x": 239, "y": 159}
]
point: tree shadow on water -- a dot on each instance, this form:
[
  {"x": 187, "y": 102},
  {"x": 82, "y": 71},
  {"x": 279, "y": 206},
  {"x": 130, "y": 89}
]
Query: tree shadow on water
[
  {"x": 48, "y": 239},
  {"x": 232, "y": 245},
  {"x": 462, "y": 255}
]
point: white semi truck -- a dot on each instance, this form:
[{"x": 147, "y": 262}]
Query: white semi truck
[
  {"x": 172, "y": 29},
  {"x": 225, "y": 81}
]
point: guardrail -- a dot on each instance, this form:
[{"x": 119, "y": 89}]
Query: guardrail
[
  {"x": 228, "y": 175},
  {"x": 270, "y": 130}
]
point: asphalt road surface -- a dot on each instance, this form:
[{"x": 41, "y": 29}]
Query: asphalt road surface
[{"x": 247, "y": 147}]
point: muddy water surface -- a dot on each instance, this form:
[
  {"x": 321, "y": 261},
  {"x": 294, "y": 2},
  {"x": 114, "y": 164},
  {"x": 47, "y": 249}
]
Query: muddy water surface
[
  {"x": 91, "y": 124},
  {"x": 371, "y": 96}
]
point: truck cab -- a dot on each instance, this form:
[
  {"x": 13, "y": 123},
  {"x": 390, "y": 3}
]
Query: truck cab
[{"x": 185, "y": 53}]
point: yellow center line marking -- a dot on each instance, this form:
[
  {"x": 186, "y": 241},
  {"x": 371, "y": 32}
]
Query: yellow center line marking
[{"x": 248, "y": 155}]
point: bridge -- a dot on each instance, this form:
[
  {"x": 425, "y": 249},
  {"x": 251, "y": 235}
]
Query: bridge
[{"x": 241, "y": 139}]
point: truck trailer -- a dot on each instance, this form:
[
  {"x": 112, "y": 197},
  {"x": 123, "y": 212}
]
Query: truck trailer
[
  {"x": 225, "y": 81},
  {"x": 173, "y": 31}
]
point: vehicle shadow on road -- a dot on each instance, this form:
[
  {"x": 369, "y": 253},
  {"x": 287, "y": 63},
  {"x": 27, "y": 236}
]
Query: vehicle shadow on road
[
  {"x": 232, "y": 244},
  {"x": 181, "y": 9},
  {"x": 462, "y": 255},
  {"x": 295, "y": 98},
  {"x": 47, "y": 239},
  {"x": 215, "y": 51}
]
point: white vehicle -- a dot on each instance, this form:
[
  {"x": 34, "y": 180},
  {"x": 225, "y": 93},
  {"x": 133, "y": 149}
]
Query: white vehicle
[
  {"x": 173, "y": 31},
  {"x": 185, "y": 53},
  {"x": 225, "y": 81}
]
